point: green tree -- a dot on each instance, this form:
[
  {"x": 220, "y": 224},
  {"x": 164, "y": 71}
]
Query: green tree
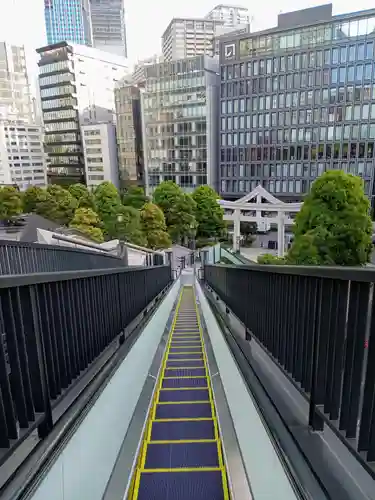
[
  {"x": 154, "y": 227},
  {"x": 179, "y": 210},
  {"x": 209, "y": 214},
  {"x": 32, "y": 197},
  {"x": 84, "y": 197},
  {"x": 87, "y": 222},
  {"x": 10, "y": 202},
  {"x": 249, "y": 230},
  {"x": 58, "y": 205},
  {"x": 108, "y": 205},
  {"x": 134, "y": 197},
  {"x": 333, "y": 226},
  {"x": 78, "y": 190},
  {"x": 127, "y": 226}
]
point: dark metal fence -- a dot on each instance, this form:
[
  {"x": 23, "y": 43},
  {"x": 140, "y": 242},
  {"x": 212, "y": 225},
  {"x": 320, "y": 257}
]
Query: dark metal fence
[
  {"x": 318, "y": 324},
  {"x": 24, "y": 258},
  {"x": 55, "y": 325}
]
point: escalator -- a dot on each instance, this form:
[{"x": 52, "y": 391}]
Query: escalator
[{"x": 181, "y": 455}]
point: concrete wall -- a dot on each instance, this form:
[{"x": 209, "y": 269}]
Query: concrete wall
[{"x": 82, "y": 470}]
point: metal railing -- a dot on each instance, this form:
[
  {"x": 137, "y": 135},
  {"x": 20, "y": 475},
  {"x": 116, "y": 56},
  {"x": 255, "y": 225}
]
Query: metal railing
[
  {"x": 318, "y": 325},
  {"x": 55, "y": 325},
  {"x": 25, "y": 258}
]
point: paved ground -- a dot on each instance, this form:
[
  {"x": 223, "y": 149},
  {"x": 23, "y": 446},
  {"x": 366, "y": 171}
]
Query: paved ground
[{"x": 253, "y": 253}]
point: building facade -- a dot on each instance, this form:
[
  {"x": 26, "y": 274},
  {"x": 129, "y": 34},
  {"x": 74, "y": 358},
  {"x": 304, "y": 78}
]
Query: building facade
[
  {"x": 77, "y": 88},
  {"x": 298, "y": 100},
  {"x": 100, "y": 154},
  {"x": 108, "y": 26},
  {"x": 129, "y": 134},
  {"x": 15, "y": 96},
  {"x": 22, "y": 158},
  {"x": 188, "y": 38},
  {"x": 68, "y": 20},
  {"x": 139, "y": 74},
  {"x": 233, "y": 16},
  {"x": 180, "y": 122}
]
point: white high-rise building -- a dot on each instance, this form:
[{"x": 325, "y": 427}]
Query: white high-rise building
[
  {"x": 232, "y": 16},
  {"x": 77, "y": 88},
  {"x": 100, "y": 154},
  {"x": 15, "y": 96},
  {"x": 188, "y": 38},
  {"x": 193, "y": 37},
  {"x": 22, "y": 159},
  {"x": 108, "y": 26}
]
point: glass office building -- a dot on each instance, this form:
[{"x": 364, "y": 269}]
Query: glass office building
[
  {"x": 68, "y": 20},
  {"x": 180, "y": 122},
  {"x": 298, "y": 100}
]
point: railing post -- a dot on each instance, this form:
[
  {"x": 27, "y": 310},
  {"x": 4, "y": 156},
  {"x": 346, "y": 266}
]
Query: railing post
[{"x": 47, "y": 423}]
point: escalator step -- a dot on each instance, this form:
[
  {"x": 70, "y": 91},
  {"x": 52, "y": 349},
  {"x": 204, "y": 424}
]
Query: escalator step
[
  {"x": 179, "y": 455},
  {"x": 198, "y": 410},
  {"x": 185, "y": 372},
  {"x": 190, "y": 429},
  {"x": 184, "y": 356},
  {"x": 183, "y": 395},
  {"x": 193, "y": 362},
  {"x": 183, "y": 382},
  {"x": 197, "y": 485}
]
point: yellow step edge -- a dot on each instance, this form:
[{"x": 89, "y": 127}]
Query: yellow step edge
[
  {"x": 183, "y": 441},
  {"x": 182, "y": 469},
  {"x": 183, "y": 402},
  {"x": 183, "y": 389},
  {"x": 184, "y": 376},
  {"x": 197, "y": 419}
]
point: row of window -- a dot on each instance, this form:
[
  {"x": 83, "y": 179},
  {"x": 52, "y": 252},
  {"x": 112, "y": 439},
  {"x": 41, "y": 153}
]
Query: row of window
[
  {"x": 294, "y": 99},
  {"x": 62, "y": 114},
  {"x": 188, "y": 111},
  {"x": 55, "y": 66},
  {"x": 59, "y": 126},
  {"x": 337, "y": 150},
  {"x": 291, "y": 187},
  {"x": 56, "y": 91},
  {"x": 293, "y": 62},
  {"x": 59, "y": 103},
  {"x": 286, "y": 170},
  {"x": 321, "y": 115},
  {"x": 302, "y": 134},
  {"x": 311, "y": 36},
  {"x": 53, "y": 79}
]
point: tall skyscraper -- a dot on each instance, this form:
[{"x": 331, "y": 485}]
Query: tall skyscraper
[
  {"x": 77, "y": 88},
  {"x": 180, "y": 122},
  {"x": 129, "y": 133},
  {"x": 15, "y": 97},
  {"x": 68, "y": 20},
  {"x": 108, "y": 26}
]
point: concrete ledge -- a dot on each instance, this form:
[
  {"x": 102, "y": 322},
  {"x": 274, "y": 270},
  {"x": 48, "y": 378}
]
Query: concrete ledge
[
  {"x": 263, "y": 468},
  {"x": 84, "y": 467}
]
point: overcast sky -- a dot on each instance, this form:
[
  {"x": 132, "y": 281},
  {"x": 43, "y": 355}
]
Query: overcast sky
[{"x": 22, "y": 21}]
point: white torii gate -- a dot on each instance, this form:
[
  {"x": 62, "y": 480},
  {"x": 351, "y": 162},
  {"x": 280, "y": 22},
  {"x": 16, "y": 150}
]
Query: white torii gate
[{"x": 272, "y": 204}]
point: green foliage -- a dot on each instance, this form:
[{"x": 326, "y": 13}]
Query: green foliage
[
  {"x": 179, "y": 210},
  {"x": 248, "y": 230},
  {"x": 57, "y": 204},
  {"x": 333, "y": 226},
  {"x": 87, "y": 222},
  {"x": 208, "y": 213},
  {"x": 10, "y": 202},
  {"x": 126, "y": 225},
  {"x": 84, "y": 197},
  {"x": 32, "y": 197},
  {"x": 134, "y": 197},
  {"x": 154, "y": 227},
  {"x": 108, "y": 205},
  {"x": 271, "y": 260},
  {"x": 77, "y": 191}
]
